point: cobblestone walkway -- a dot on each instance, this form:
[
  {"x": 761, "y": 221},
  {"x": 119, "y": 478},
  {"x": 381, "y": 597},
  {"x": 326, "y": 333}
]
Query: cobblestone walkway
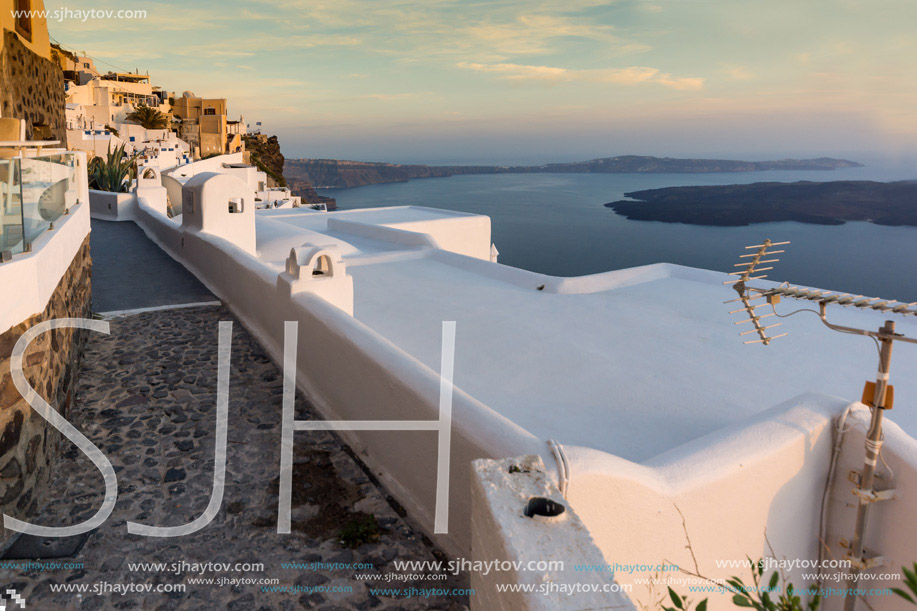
[{"x": 147, "y": 398}]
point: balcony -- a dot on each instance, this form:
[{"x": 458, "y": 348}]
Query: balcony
[{"x": 35, "y": 191}]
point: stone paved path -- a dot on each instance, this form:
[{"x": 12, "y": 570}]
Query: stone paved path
[
  {"x": 147, "y": 398},
  {"x": 130, "y": 271}
]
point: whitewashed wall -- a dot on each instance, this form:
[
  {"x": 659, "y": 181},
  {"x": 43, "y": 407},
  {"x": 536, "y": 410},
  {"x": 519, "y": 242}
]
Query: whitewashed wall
[
  {"x": 735, "y": 493},
  {"x": 335, "y": 350},
  {"x": 723, "y": 491},
  {"x": 892, "y": 527},
  {"x": 109, "y": 206}
]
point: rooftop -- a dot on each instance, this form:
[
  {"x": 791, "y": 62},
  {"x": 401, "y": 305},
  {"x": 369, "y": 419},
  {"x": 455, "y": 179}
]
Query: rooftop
[{"x": 672, "y": 366}]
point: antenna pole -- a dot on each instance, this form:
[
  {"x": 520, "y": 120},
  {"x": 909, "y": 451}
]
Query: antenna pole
[{"x": 886, "y": 336}]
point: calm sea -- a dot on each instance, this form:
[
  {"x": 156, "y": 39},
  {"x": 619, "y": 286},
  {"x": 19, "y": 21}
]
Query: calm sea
[{"x": 557, "y": 224}]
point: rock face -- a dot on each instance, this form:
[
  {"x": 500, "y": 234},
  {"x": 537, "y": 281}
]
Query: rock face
[
  {"x": 339, "y": 174},
  {"x": 819, "y": 203},
  {"x": 336, "y": 173},
  {"x": 666, "y": 165},
  {"x": 264, "y": 152},
  {"x": 31, "y": 88},
  {"x": 29, "y": 446}
]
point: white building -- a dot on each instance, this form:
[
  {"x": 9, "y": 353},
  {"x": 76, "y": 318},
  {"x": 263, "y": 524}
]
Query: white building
[
  {"x": 112, "y": 97},
  {"x": 97, "y": 112},
  {"x": 233, "y": 165}
]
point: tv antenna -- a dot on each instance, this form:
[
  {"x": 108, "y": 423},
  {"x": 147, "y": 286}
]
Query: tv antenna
[{"x": 878, "y": 396}]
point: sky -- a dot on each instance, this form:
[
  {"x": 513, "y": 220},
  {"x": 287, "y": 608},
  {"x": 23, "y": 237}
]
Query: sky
[{"x": 532, "y": 81}]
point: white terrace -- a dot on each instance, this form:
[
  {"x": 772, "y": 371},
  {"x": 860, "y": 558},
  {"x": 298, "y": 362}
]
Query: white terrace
[
  {"x": 660, "y": 412},
  {"x": 634, "y": 362}
]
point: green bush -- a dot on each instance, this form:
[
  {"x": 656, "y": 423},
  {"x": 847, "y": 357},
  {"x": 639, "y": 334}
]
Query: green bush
[{"x": 112, "y": 173}]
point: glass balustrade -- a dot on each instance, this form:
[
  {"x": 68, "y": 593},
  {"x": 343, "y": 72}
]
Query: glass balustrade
[{"x": 34, "y": 192}]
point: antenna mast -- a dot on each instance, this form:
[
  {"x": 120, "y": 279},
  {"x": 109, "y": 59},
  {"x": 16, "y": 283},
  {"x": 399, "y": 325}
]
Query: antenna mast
[{"x": 878, "y": 395}]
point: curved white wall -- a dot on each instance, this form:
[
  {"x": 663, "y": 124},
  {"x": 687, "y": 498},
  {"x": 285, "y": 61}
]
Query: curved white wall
[
  {"x": 335, "y": 350},
  {"x": 725, "y": 491}
]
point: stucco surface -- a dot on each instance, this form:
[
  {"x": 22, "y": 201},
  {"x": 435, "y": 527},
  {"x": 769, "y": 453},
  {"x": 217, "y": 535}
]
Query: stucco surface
[{"x": 634, "y": 371}]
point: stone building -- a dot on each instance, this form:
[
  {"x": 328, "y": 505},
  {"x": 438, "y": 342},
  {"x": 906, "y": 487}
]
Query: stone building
[
  {"x": 31, "y": 85},
  {"x": 45, "y": 266}
]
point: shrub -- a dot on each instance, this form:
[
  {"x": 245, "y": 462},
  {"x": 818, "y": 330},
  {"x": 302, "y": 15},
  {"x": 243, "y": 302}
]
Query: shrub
[{"x": 114, "y": 172}]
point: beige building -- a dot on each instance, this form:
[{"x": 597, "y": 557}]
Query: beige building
[
  {"x": 33, "y": 86},
  {"x": 78, "y": 69},
  {"x": 109, "y": 99},
  {"x": 32, "y": 30},
  {"x": 204, "y": 125}
]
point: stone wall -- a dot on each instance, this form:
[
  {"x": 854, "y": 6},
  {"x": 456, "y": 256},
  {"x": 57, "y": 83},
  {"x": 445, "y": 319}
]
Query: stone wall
[
  {"x": 32, "y": 88},
  {"x": 28, "y": 444}
]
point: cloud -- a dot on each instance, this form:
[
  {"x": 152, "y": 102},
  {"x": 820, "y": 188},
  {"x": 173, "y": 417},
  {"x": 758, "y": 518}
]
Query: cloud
[
  {"x": 529, "y": 34},
  {"x": 519, "y": 71},
  {"x": 632, "y": 75},
  {"x": 739, "y": 73},
  {"x": 683, "y": 83},
  {"x": 452, "y": 29},
  {"x": 391, "y": 97}
]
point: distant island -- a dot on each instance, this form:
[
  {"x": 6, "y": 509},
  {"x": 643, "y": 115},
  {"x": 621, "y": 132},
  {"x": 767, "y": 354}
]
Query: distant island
[
  {"x": 339, "y": 173},
  {"x": 820, "y": 203}
]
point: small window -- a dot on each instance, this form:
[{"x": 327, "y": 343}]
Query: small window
[
  {"x": 24, "y": 19},
  {"x": 149, "y": 173},
  {"x": 235, "y": 205},
  {"x": 210, "y": 111},
  {"x": 322, "y": 266}
]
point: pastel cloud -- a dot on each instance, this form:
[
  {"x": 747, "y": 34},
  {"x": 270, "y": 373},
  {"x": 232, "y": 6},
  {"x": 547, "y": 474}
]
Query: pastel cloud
[{"x": 633, "y": 75}]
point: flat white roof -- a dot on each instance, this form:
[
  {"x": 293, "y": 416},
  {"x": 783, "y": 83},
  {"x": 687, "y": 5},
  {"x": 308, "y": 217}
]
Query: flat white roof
[{"x": 648, "y": 361}]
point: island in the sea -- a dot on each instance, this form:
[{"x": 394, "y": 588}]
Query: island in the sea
[
  {"x": 821, "y": 203},
  {"x": 331, "y": 173}
]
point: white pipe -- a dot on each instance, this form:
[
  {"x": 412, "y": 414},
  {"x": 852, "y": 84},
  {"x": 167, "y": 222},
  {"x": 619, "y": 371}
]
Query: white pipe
[
  {"x": 563, "y": 467},
  {"x": 823, "y": 521}
]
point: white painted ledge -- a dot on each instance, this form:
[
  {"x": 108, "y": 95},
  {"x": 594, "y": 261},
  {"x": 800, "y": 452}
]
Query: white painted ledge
[
  {"x": 500, "y": 532},
  {"x": 29, "y": 279},
  {"x": 109, "y": 206}
]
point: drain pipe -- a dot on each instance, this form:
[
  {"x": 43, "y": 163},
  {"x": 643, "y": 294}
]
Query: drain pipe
[
  {"x": 841, "y": 428},
  {"x": 563, "y": 467},
  {"x": 864, "y": 490}
]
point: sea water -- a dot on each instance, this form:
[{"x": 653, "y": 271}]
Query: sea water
[{"x": 557, "y": 224}]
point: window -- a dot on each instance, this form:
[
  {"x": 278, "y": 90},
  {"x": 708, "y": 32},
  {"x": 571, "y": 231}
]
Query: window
[
  {"x": 24, "y": 19},
  {"x": 210, "y": 111},
  {"x": 235, "y": 205}
]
